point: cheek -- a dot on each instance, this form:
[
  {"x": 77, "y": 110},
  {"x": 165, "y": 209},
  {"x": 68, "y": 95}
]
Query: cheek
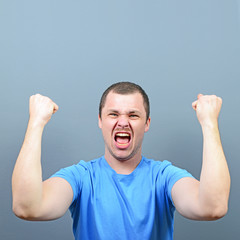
[
  {"x": 140, "y": 130},
  {"x": 107, "y": 126}
]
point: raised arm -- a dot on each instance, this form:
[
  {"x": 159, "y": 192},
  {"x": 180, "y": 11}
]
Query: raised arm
[
  {"x": 33, "y": 199},
  {"x": 207, "y": 199}
]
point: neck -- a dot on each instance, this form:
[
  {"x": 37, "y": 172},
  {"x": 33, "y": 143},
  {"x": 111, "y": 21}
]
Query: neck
[{"x": 121, "y": 166}]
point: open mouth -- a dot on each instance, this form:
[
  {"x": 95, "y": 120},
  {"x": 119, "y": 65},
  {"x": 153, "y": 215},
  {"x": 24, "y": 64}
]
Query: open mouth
[{"x": 122, "y": 139}]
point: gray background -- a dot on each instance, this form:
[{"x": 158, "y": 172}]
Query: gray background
[{"x": 72, "y": 50}]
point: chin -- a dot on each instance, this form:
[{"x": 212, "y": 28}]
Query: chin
[{"x": 123, "y": 157}]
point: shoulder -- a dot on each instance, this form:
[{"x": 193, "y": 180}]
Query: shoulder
[
  {"x": 157, "y": 165},
  {"x": 76, "y": 170},
  {"x": 166, "y": 169},
  {"x": 85, "y": 166}
]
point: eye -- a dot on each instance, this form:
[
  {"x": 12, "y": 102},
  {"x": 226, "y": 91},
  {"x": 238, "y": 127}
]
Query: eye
[
  {"x": 133, "y": 116},
  {"x": 113, "y": 114}
]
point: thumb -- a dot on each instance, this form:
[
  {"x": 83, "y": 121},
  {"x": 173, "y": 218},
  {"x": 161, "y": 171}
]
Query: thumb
[
  {"x": 55, "y": 108},
  {"x": 194, "y": 105}
]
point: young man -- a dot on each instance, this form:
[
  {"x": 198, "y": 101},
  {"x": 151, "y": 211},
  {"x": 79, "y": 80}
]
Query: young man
[{"x": 122, "y": 195}]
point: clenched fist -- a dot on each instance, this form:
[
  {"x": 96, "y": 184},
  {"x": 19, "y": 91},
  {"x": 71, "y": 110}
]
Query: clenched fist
[
  {"x": 207, "y": 108},
  {"x": 41, "y": 109}
]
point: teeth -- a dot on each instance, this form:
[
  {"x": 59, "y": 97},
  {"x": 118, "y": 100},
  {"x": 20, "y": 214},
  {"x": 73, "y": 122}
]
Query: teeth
[{"x": 123, "y": 134}]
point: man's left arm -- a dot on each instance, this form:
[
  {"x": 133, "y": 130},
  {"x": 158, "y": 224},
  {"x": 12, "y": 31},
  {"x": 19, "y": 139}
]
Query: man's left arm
[{"x": 206, "y": 199}]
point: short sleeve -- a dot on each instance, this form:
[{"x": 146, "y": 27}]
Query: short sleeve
[
  {"x": 172, "y": 175},
  {"x": 74, "y": 176}
]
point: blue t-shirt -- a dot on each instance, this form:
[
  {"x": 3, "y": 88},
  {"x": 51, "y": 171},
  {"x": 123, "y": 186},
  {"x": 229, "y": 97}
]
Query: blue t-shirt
[{"x": 111, "y": 206}]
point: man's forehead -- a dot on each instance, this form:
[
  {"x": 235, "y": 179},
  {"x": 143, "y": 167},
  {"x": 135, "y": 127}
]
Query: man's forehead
[
  {"x": 112, "y": 95},
  {"x": 128, "y": 103}
]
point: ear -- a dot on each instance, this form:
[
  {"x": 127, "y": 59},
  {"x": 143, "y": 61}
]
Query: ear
[
  {"x": 99, "y": 122},
  {"x": 147, "y": 125}
]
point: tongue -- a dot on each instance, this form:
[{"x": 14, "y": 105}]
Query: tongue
[{"x": 122, "y": 140}]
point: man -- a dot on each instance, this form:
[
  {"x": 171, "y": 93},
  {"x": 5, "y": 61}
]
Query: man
[{"x": 122, "y": 195}]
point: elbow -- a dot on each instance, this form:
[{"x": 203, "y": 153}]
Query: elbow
[
  {"x": 22, "y": 212},
  {"x": 221, "y": 212},
  {"x": 18, "y": 211},
  {"x": 216, "y": 207},
  {"x": 218, "y": 212}
]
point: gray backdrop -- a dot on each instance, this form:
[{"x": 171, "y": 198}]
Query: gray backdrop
[{"x": 72, "y": 50}]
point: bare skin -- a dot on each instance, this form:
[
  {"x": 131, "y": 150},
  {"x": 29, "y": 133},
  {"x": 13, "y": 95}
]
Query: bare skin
[
  {"x": 206, "y": 199},
  {"x": 34, "y": 199},
  {"x": 123, "y": 114},
  {"x": 123, "y": 124}
]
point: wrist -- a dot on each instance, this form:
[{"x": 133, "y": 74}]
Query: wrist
[
  {"x": 209, "y": 124},
  {"x": 210, "y": 128},
  {"x": 35, "y": 124}
]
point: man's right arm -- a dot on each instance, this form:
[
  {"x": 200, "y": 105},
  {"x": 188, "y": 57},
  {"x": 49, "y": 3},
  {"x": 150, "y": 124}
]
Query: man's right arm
[{"x": 32, "y": 198}]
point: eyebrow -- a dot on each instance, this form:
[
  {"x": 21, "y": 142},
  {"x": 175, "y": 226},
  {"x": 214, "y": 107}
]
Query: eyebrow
[{"x": 129, "y": 112}]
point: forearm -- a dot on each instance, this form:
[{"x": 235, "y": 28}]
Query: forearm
[
  {"x": 27, "y": 174},
  {"x": 215, "y": 178}
]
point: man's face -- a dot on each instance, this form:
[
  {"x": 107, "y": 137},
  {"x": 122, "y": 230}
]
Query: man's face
[{"x": 123, "y": 123}]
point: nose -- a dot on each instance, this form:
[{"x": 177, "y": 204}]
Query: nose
[{"x": 123, "y": 121}]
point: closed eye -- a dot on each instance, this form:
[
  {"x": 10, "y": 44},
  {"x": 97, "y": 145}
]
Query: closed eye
[
  {"x": 113, "y": 114},
  {"x": 133, "y": 116}
]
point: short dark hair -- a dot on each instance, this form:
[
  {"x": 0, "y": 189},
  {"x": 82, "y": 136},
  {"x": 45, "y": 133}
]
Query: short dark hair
[{"x": 125, "y": 88}]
